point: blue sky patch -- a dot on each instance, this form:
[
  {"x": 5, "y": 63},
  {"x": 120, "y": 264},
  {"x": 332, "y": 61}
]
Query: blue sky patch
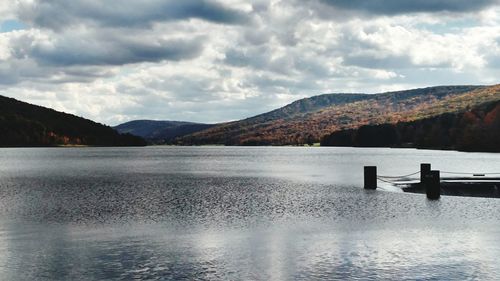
[
  {"x": 449, "y": 26},
  {"x": 11, "y": 25}
]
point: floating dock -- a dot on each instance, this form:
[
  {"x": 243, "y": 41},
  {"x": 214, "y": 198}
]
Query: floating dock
[{"x": 435, "y": 183}]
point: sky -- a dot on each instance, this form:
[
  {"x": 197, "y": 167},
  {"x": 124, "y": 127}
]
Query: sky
[{"x": 213, "y": 61}]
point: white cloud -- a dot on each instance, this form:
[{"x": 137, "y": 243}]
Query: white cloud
[{"x": 7, "y": 9}]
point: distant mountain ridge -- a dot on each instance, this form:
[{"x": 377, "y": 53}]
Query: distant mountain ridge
[
  {"x": 308, "y": 120},
  {"x": 160, "y": 132},
  {"x": 24, "y": 124}
]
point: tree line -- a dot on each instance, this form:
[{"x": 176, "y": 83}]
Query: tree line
[
  {"x": 476, "y": 129},
  {"x": 23, "y": 124}
]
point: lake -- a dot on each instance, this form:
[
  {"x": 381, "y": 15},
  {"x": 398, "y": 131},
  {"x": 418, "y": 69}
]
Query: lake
[{"x": 238, "y": 213}]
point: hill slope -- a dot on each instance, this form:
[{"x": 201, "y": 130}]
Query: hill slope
[
  {"x": 308, "y": 120},
  {"x": 476, "y": 129},
  {"x": 160, "y": 131},
  {"x": 23, "y": 124}
]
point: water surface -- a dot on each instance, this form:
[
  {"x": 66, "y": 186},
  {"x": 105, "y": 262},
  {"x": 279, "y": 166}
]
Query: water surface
[{"x": 230, "y": 213}]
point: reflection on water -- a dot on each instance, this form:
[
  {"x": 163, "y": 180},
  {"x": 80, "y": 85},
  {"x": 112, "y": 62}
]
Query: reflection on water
[{"x": 237, "y": 213}]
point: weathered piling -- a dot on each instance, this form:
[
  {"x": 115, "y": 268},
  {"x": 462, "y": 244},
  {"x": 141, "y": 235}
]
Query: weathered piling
[
  {"x": 370, "y": 177},
  {"x": 425, "y": 169},
  {"x": 432, "y": 183}
]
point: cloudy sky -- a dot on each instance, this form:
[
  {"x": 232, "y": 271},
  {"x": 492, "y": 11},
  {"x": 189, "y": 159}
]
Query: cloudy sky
[{"x": 212, "y": 61}]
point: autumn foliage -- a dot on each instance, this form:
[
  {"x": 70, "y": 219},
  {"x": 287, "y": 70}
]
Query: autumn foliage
[
  {"x": 477, "y": 129},
  {"x": 310, "y": 120}
]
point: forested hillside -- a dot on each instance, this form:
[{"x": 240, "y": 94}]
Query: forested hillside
[
  {"x": 308, "y": 120},
  {"x": 476, "y": 129},
  {"x": 23, "y": 124}
]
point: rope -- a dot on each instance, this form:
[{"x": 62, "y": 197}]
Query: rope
[
  {"x": 442, "y": 172},
  {"x": 391, "y": 182},
  {"x": 461, "y": 173},
  {"x": 387, "y": 178},
  {"x": 397, "y": 177}
]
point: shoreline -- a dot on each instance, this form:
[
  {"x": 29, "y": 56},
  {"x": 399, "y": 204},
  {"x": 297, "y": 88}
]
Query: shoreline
[{"x": 221, "y": 145}]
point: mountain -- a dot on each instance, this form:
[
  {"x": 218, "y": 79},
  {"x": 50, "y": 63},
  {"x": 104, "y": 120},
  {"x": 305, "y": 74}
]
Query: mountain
[
  {"x": 160, "y": 131},
  {"x": 475, "y": 129},
  {"x": 23, "y": 124},
  {"x": 308, "y": 120}
]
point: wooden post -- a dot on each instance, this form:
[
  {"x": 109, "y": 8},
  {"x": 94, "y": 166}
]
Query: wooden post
[
  {"x": 370, "y": 177},
  {"x": 433, "y": 185},
  {"x": 425, "y": 168}
]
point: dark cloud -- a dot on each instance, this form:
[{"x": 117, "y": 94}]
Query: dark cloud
[
  {"x": 93, "y": 51},
  {"x": 258, "y": 58},
  {"x": 58, "y": 14},
  {"x": 266, "y": 84},
  {"x": 374, "y": 62},
  {"x": 17, "y": 70},
  {"x": 262, "y": 58},
  {"x": 256, "y": 37},
  {"x": 82, "y": 57},
  {"x": 392, "y": 7},
  {"x": 28, "y": 71},
  {"x": 182, "y": 88}
]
